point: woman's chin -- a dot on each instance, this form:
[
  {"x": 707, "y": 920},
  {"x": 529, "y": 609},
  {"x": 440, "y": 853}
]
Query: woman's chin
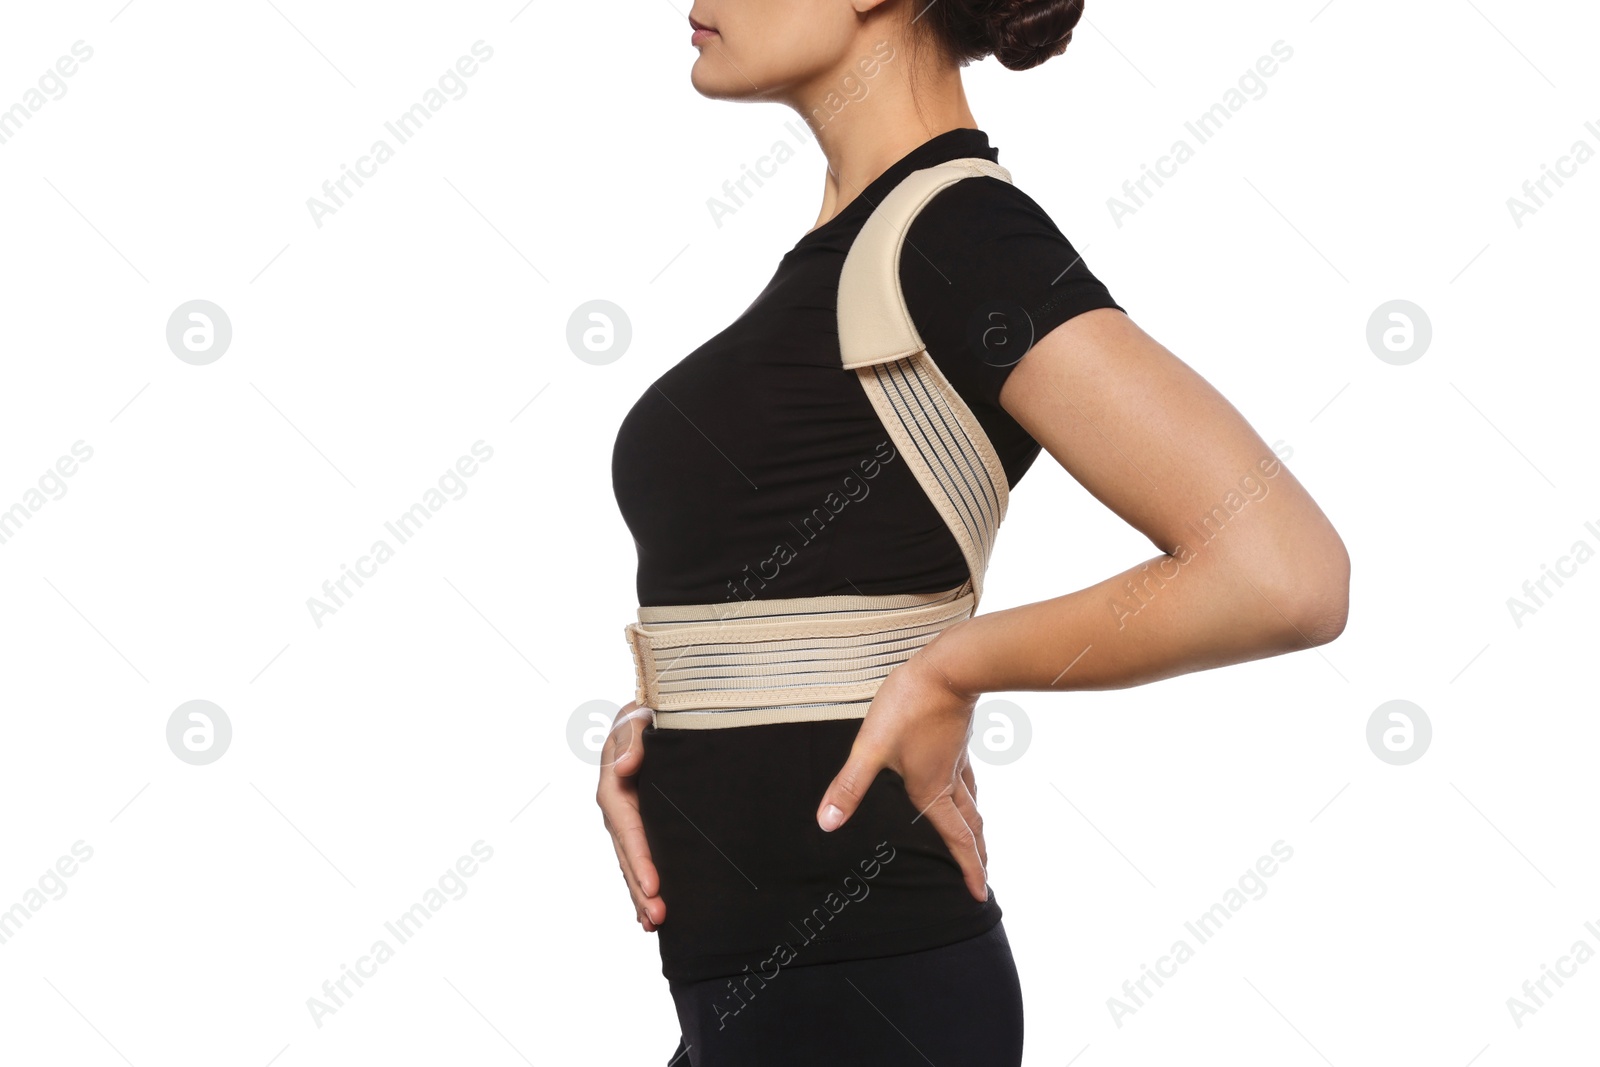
[{"x": 718, "y": 83}]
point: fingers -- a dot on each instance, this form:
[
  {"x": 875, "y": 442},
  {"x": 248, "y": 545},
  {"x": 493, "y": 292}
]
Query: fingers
[
  {"x": 627, "y": 831},
  {"x": 967, "y": 805},
  {"x": 844, "y": 793},
  {"x": 642, "y": 912},
  {"x": 962, "y": 842},
  {"x": 618, "y": 798},
  {"x": 619, "y": 803}
]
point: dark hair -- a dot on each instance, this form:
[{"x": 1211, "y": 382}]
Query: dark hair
[{"x": 1019, "y": 33}]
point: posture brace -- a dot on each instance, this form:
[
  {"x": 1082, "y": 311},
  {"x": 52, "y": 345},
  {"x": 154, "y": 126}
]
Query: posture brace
[{"x": 805, "y": 659}]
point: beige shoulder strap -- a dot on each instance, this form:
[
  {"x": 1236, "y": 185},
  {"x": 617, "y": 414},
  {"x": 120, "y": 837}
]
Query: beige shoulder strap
[{"x": 931, "y": 425}]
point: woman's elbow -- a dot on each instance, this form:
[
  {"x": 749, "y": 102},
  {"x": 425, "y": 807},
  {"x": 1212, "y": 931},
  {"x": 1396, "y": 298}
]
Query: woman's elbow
[{"x": 1318, "y": 590}]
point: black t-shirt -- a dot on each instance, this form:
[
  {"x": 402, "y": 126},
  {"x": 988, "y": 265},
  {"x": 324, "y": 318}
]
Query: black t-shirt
[
  {"x": 755, "y": 442},
  {"x": 757, "y": 468}
]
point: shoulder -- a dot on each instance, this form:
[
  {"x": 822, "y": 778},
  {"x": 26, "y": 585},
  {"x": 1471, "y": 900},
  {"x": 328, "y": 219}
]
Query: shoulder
[
  {"x": 981, "y": 207},
  {"x": 985, "y": 273}
]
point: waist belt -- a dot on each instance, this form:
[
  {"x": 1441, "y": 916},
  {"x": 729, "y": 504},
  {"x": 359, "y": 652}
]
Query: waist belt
[
  {"x": 803, "y": 659},
  {"x": 807, "y": 659}
]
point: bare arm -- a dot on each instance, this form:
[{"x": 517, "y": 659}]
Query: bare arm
[{"x": 1250, "y": 566}]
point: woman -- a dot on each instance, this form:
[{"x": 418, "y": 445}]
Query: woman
[{"x": 810, "y": 853}]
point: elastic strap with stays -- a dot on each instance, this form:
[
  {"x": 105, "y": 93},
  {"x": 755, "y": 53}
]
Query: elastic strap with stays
[
  {"x": 930, "y": 424},
  {"x": 790, "y": 660},
  {"x": 810, "y": 659}
]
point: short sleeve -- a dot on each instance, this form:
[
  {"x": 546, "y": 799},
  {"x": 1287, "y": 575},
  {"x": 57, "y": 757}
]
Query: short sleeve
[{"x": 986, "y": 273}]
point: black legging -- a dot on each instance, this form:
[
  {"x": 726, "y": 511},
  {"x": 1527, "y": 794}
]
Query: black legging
[{"x": 956, "y": 1006}]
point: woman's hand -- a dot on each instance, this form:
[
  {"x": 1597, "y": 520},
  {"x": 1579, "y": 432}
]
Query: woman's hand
[
  {"x": 918, "y": 726},
  {"x": 618, "y": 797}
]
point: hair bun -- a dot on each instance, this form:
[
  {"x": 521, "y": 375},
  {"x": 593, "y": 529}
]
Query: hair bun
[
  {"x": 1025, "y": 33},
  {"x": 1019, "y": 33}
]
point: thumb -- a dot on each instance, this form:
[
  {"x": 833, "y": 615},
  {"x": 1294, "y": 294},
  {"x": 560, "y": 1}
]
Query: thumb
[
  {"x": 844, "y": 793},
  {"x": 624, "y": 747}
]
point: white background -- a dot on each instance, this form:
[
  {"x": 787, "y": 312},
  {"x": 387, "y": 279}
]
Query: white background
[{"x": 431, "y": 710}]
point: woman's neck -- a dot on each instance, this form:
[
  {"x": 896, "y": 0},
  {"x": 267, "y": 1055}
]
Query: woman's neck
[{"x": 864, "y": 135}]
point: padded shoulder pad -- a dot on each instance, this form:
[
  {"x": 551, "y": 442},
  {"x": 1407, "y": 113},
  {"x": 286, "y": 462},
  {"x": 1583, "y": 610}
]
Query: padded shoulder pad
[{"x": 874, "y": 324}]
